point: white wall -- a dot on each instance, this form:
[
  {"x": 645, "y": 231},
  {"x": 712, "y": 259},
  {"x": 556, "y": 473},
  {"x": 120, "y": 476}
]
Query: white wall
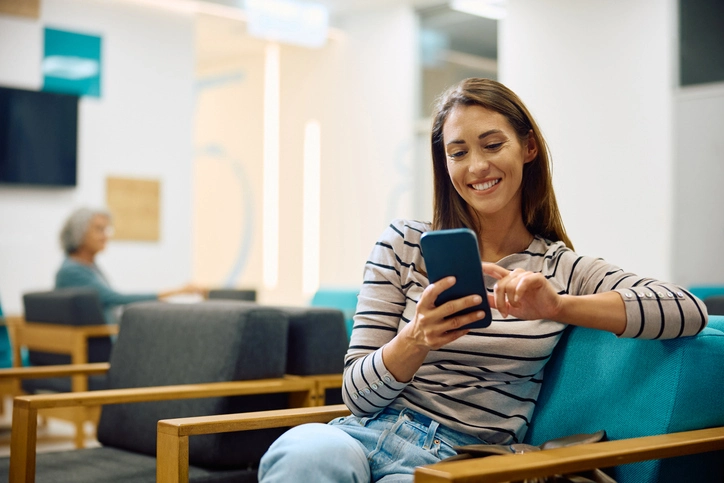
[
  {"x": 141, "y": 127},
  {"x": 360, "y": 87},
  {"x": 698, "y": 229},
  {"x": 368, "y": 163},
  {"x": 599, "y": 78}
]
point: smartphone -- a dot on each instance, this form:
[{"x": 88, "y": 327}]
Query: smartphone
[{"x": 455, "y": 252}]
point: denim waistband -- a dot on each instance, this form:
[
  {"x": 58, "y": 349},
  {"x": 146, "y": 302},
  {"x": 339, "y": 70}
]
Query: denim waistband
[{"x": 449, "y": 435}]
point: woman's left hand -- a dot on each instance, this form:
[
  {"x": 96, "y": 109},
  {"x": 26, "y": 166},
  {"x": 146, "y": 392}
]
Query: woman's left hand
[{"x": 522, "y": 294}]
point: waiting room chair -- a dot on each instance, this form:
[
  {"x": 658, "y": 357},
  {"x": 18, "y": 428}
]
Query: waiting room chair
[
  {"x": 191, "y": 359},
  {"x": 655, "y": 399},
  {"x": 62, "y": 326}
]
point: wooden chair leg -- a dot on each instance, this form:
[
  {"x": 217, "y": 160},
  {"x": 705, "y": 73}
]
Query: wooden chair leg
[
  {"x": 172, "y": 460},
  {"x": 22, "y": 444},
  {"x": 79, "y": 437}
]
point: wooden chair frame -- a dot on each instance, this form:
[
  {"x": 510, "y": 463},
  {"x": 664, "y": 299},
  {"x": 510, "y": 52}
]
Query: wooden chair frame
[
  {"x": 172, "y": 448},
  {"x": 303, "y": 391},
  {"x": 70, "y": 340}
]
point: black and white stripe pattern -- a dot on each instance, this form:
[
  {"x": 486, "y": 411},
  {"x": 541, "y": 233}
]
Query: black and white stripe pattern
[{"x": 487, "y": 382}]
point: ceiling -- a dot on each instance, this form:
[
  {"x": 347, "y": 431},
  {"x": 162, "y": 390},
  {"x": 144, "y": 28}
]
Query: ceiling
[{"x": 463, "y": 32}]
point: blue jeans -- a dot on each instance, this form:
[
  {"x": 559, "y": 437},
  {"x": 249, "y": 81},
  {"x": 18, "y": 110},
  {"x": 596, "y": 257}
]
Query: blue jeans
[{"x": 386, "y": 448}]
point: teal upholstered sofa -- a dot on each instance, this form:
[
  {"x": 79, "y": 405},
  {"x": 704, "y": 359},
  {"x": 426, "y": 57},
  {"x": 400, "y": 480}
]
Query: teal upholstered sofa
[
  {"x": 635, "y": 388},
  {"x": 630, "y": 388}
]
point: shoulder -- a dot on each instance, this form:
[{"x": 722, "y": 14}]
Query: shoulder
[
  {"x": 72, "y": 273},
  {"x": 70, "y": 266}
]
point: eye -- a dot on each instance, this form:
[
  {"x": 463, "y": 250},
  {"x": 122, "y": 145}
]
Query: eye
[
  {"x": 493, "y": 146},
  {"x": 456, "y": 154}
]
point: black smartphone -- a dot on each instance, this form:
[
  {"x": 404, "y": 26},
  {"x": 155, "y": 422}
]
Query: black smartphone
[{"x": 455, "y": 252}]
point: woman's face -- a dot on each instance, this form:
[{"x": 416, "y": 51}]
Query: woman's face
[
  {"x": 485, "y": 161},
  {"x": 96, "y": 236}
]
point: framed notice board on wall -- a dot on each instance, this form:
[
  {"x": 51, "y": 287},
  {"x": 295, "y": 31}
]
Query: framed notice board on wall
[
  {"x": 135, "y": 206},
  {"x": 24, "y": 8}
]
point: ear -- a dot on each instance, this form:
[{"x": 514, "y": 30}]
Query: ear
[{"x": 531, "y": 148}]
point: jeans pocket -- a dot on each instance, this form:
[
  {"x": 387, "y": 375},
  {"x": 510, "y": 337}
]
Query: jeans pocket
[{"x": 444, "y": 449}]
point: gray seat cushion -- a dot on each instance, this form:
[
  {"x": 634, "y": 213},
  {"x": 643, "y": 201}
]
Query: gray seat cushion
[
  {"x": 113, "y": 465},
  {"x": 317, "y": 341},
  {"x": 166, "y": 344},
  {"x": 68, "y": 306}
]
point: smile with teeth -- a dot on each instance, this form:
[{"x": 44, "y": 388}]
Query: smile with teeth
[{"x": 485, "y": 186}]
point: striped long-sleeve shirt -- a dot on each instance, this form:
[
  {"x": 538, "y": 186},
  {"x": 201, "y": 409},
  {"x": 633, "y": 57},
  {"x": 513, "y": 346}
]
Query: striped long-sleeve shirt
[{"x": 486, "y": 383}]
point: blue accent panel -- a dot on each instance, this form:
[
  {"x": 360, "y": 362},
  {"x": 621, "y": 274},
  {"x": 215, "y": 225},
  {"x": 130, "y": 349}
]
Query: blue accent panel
[
  {"x": 344, "y": 299},
  {"x": 72, "y": 63}
]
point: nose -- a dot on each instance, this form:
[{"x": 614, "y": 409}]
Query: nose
[{"x": 478, "y": 163}]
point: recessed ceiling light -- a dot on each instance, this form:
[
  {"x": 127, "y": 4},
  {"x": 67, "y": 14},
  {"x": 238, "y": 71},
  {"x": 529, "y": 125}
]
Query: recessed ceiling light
[{"x": 494, "y": 9}]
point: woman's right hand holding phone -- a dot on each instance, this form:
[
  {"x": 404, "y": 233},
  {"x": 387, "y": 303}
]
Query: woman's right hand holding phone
[{"x": 429, "y": 329}]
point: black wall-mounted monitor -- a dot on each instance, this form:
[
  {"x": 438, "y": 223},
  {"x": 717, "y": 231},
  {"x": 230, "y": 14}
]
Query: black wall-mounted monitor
[{"x": 38, "y": 138}]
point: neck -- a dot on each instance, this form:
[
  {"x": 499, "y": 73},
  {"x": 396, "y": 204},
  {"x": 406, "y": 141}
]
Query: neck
[
  {"x": 84, "y": 256},
  {"x": 498, "y": 240}
]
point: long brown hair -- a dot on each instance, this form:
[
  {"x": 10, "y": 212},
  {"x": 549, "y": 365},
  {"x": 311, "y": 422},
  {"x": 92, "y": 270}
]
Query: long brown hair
[{"x": 539, "y": 207}]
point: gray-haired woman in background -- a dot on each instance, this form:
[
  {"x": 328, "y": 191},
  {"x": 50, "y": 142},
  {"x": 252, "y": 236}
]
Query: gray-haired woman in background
[{"x": 84, "y": 235}]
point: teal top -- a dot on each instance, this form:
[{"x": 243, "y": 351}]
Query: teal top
[{"x": 75, "y": 274}]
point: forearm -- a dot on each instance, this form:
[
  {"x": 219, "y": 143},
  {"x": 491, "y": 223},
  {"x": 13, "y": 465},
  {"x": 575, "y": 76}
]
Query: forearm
[
  {"x": 402, "y": 358},
  {"x": 603, "y": 311}
]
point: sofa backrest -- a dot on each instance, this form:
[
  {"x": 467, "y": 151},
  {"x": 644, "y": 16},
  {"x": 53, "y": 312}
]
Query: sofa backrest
[
  {"x": 166, "y": 344},
  {"x": 715, "y": 304},
  {"x": 248, "y": 295},
  {"x": 633, "y": 388},
  {"x": 67, "y": 306}
]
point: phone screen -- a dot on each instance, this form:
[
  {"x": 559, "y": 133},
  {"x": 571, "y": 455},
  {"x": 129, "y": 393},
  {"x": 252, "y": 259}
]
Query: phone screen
[{"x": 455, "y": 252}]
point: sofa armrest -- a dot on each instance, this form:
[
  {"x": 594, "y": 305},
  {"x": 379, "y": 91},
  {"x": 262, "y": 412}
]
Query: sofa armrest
[
  {"x": 515, "y": 467},
  {"x": 172, "y": 455},
  {"x": 25, "y": 408},
  {"x": 64, "y": 370}
]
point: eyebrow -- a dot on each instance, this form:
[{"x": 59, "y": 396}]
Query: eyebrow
[{"x": 483, "y": 135}]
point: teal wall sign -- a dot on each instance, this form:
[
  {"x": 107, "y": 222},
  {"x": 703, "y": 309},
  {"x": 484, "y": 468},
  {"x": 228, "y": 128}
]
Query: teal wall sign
[{"x": 72, "y": 63}]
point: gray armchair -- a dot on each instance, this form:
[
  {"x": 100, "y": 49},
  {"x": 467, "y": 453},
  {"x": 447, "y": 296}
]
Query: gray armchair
[
  {"x": 61, "y": 327},
  {"x": 172, "y": 360}
]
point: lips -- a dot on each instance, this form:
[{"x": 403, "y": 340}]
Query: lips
[{"x": 486, "y": 185}]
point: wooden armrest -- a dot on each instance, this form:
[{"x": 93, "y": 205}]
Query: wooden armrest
[
  {"x": 515, "y": 467},
  {"x": 31, "y": 329},
  {"x": 227, "y": 423},
  {"x": 172, "y": 442},
  {"x": 25, "y": 408},
  {"x": 162, "y": 393},
  {"x": 63, "y": 370},
  {"x": 13, "y": 320}
]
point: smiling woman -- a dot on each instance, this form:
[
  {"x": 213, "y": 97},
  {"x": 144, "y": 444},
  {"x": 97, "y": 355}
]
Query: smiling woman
[{"x": 417, "y": 385}]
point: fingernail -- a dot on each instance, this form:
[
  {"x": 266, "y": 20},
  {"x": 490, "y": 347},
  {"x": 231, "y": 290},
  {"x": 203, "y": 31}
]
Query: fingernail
[{"x": 477, "y": 299}]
